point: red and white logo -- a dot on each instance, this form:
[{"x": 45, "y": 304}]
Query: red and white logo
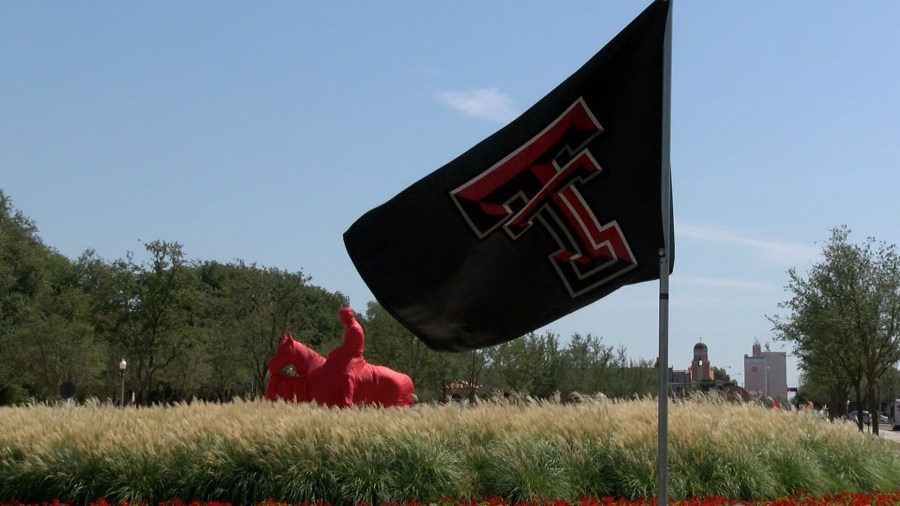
[{"x": 540, "y": 180}]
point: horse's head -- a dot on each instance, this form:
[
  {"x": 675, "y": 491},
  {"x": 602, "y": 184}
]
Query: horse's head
[{"x": 292, "y": 358}]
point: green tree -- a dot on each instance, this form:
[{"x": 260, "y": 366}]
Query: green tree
[
  {"x": 846, "y": 314},
  {"x": 721, "y": 376},
  {"x": 827, "y": 383},
  {"x": 18, "y": 269},
  {"x": 531, "y": 364},
  {"x": 585, "y": 361},
  {"x": 248, "y": 309},
  {"x": 630, "y": 378},
  {"x": 147, "y": 312},
  {"x": 55, "y": 343},
  {"x": 45, "y": 338},
  {"x": 18, "y": 284}
]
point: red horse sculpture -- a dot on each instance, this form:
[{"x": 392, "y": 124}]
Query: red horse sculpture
[{"x": 298, "y": 373}]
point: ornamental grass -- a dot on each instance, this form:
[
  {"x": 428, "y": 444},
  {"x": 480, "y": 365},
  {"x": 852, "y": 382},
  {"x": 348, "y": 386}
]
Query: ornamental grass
[{"x": 250, "y": 452}]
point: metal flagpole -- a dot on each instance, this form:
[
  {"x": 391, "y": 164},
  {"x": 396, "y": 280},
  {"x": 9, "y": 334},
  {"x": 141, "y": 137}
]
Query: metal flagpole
[
  {"x": 664, "y": 255},
  {"x": 663, "y": 372}
]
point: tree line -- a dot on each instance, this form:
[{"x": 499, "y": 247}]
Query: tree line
[
  {"x": 205, "y": 329},
  {"x": 192, "y": 329}
]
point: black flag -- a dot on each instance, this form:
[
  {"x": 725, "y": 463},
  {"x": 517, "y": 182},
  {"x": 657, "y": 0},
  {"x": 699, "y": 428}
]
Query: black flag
[{"x": 554, "y": 211}]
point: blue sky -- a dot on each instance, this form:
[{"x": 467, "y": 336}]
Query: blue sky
[{"x": 261, "y": 130}]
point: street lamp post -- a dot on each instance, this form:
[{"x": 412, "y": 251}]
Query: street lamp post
[{"x": 122, "y": 365}]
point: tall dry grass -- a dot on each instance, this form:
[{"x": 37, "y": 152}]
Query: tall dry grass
[{"x": 249, "y": 451}]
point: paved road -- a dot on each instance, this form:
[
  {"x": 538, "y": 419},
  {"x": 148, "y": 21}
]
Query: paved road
[
  {"x": 885, "y": 430},
  {"x": 887, "y": 433}
]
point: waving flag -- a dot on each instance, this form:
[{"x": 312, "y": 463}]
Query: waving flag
[{"x": 551, "y": 213}]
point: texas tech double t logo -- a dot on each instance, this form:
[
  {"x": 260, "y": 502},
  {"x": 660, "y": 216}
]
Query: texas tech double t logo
[{"x": 540, "y": 180}]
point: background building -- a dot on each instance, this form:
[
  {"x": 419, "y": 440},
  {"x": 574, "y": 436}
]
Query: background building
[
  {"x": 700, "y": 369},
  {"x": 765, "y": 373},
  {"x": 680, "y": 381}
]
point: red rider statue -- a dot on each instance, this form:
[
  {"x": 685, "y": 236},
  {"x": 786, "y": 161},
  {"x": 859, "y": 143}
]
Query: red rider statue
[
  {"x": 345, "y": 363},
  {"x": 341, "y": 380}
]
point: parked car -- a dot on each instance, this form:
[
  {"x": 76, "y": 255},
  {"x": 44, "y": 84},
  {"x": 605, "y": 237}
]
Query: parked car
[
  {"x": 882, "y": 418},
  {"x": 865, "y": 417}
]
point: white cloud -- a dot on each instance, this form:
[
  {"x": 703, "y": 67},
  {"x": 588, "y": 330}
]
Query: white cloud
[
  {"x": 482, "y": 103},
  {"x": 780, "y": 252}
]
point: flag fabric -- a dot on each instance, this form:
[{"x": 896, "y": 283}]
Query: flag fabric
[{"x": 554, "y": 211}]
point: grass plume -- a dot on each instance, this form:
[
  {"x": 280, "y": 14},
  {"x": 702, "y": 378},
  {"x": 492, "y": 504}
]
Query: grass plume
[{"x": 246, "y": 452}]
